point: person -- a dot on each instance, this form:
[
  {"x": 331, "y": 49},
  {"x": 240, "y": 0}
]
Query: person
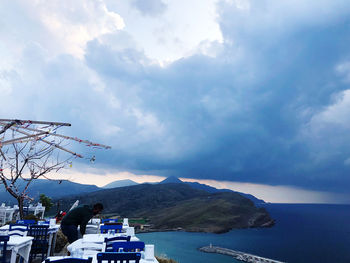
[{"x": 78, "y": 216}]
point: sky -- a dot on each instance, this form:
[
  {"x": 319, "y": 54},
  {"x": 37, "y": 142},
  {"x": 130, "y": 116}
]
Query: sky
[{"x": 242, "y": 94}]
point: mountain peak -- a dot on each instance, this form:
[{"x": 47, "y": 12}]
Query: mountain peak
[
  {"x": 120, "y": 183},
  {"x": 171, "y": 180}
]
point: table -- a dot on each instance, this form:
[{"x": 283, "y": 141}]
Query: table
[
  {"x": 21, "y": 246},
  {"x": 53, "y": 229},
  {"x": 94, "y": 260},
  {"x": 91, "y": 244},
  {"x": 93, "y": 241}
]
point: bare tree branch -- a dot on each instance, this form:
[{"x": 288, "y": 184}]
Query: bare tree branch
[{"x": 23, "y": 159}]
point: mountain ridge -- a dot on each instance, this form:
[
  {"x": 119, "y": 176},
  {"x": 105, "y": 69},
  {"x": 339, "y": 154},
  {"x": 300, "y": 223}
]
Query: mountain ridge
[
  {"x": 210, "y": 189},
  {"x": 54, "y": 188},
  {"x": 173, "y": 205},
  {"x": 51, "y": 188}
]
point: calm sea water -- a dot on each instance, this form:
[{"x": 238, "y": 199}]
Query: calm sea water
[{"x": 302, "y": 234}]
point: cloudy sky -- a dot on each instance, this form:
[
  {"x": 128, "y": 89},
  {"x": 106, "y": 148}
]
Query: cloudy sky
[{"x": 251, "y": 95}]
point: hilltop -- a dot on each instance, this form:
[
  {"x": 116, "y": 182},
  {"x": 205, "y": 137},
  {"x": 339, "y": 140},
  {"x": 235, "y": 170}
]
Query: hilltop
[
  {"x": 120, "y": 183},
  {"x": 210, "y": 189},
  {"x": 177, "y": 205},
  {"x": 51, "y": 188}
]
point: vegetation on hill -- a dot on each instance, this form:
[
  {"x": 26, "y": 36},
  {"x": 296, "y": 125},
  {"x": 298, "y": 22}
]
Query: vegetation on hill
[
  {"x": 216, "y": 213},
  {"x": 173, "y": 206}
]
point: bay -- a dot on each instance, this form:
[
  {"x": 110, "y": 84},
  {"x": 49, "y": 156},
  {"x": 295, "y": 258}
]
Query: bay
[{"x": 304, "y": 233}]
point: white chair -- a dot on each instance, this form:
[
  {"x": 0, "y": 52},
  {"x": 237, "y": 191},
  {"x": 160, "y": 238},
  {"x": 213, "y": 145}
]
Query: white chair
[
  {"x": 2, "y": 216},
  {"x": 39, "y": 209},
  {"x": 9, "y": 214}
]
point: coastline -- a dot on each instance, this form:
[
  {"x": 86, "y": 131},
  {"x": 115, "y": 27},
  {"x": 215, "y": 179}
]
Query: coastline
[{"x": 202, "y": 230}]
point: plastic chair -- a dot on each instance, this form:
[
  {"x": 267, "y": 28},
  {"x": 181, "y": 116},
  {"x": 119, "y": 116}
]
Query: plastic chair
[
  {"x": 18, "y": 230},
  {"x": 111, "y": 257},
  {"x": 109, "y": 220},
  {"x": 40, "y": 242},
  {"x": 109, "y": 241},
  {"x": 69, "y": 260},
  {"x": 132, "y": 246},
  {"x": 3, "y": 248},
  {"x": 105, "y": 228}
]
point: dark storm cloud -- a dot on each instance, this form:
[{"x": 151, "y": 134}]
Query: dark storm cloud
[
  {"x": 270, "y": 107},
  {"x": 242, "y": 115}
]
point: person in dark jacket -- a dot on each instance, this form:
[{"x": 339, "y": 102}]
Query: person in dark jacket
[{"x": 78, "y": 216}]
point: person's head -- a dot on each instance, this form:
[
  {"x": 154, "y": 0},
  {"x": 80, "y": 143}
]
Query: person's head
[{"x": 97, "y": 208}]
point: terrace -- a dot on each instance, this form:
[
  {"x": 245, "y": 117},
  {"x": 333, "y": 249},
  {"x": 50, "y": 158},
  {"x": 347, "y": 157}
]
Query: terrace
[{"x": 105, "y": 240}]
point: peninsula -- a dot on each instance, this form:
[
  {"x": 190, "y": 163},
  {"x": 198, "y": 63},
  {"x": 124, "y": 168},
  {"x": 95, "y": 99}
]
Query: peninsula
[{"x": 175, "y": 206}]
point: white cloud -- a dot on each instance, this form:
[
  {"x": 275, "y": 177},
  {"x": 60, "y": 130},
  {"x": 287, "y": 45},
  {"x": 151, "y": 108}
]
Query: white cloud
[
  {"x": 74, "y": 23},
  {"x": 150, "y": 7},
  {"x": 335, "y": 116},
  {"x": 173, "y": 33},
  {"x": 5, "y": 82},
  {"x": 59, "y": 26}
]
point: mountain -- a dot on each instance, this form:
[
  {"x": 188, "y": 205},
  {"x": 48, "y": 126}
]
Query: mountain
[
  {"x": 215, "y": 190},
  {"x": 174, "y": 205},
  {"x": 210, "y": 189},
  {"x": 120, "y": 183},
  {"x": 51, "y": 188},
  {"x": 171, "y": 180}
]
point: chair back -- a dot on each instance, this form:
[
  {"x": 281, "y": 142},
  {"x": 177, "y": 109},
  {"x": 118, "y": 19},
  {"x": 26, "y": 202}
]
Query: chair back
[
  {"x": 40, "y": 242},
  {"x": 18, "y": 230},
  {"x": 69, "y": 260},
  {"x": 109, "y": 220},
  {"x": 26, "y": 222},
  {"x": 105, "y": 228},
  {"x": 112, "y": 257},
  {"x": 109, "y": 241},
  {"x": 3, "y": 248},
  {"x": 43, "y": 222},
  {"x": 2, "y": 216},
  {"x": 132, "y": 246}
]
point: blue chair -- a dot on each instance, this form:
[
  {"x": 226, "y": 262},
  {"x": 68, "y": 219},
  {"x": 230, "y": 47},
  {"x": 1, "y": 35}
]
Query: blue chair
[
  {"x": 69, "y": 260},
  {"x": 105, "y": 228},
  {"x": 110, "y": 241},
  {"x": 111, "y": 257},
  {"x": 132, "y": 246},
  {"x": 40, "y": 223},
  {"x": 3, "y": 248},
  {"x": 18, "y": 230},
  {"x": 109, "y": 220},
  {"x": 26, "y": 222},
  {"x": 40, "y": 242}
]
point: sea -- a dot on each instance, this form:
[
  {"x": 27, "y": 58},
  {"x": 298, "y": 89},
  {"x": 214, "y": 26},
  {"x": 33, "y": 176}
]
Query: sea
[{"x": 303, "y": 233}]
